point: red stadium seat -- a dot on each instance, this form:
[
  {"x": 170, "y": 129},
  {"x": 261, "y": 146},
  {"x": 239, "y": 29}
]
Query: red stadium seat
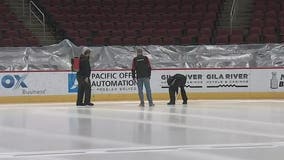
[
  {"x": 85, "y": 33},
  {"x": 117, "y": 33},
  {"x": 257, "y": 22},
  {"x": 186, "y": 40},
  {"x": 253, "y": 38},
  {"x": 146, "y": 32},
  {"x": 131, "y": 33},
  {"x": 236, "y": 39},
  {"x": 98, "y": 41},
  {"x": 206, "y": 31},
  {"x": 223, "y": 31},
  {"x": 129, "y": 40},
  {"x": 142, "y": 41},
  {"x": 135, "y": 25},
  {"x": 115, "y": 41},
  {"x": 270, "y": 38},
  {"x": 192, "y": 24},
  {"x": 269, "y": 30},
  {"x": 207, "y": 24},
  {"x": 80, "y": 41},
  {"x": 268, "y": 22},
  {"x": 159, "y": 32},
  {"x": 108, "y": 25},
  {"x": 222, "y": 39},
  {"x": 156, "y": 41},
  {"x": 204, "y": 39},
  {"x": 174, "y": 32},
  {"x": 176, "y": 25},
  {"x": 255, "y": 30},
  {"x": 169, "y": 41},
  {"x": 170, "y": 19},
  {"x": 121, "y": 25},
  {"x": 258, "y": 13},
  {"x": 192, "y": 32}
]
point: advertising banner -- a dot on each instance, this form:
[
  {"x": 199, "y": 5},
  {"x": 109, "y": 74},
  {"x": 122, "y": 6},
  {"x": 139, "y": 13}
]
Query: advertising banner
[
  {"x": 121, "y": 82},
  {"x": 267, "y": 80},
  {"x": 32, "y": 83}
]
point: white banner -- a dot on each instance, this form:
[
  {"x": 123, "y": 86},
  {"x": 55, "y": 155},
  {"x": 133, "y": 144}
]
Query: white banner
[
  {"x": 33, "y": 83},
  {"x": 119, "y": 82}
]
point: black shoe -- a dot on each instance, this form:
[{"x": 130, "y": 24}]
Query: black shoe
[
  {"x": 80, "y": 104},
  {"x": 89, "y": 104},
  {"x": 141, "y": 105},
  {"x": 171, "y": 103},
  {"x": 151, "y": 105},
  {"x": 184, "y": 102}
]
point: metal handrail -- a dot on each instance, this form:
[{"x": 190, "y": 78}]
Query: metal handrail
[
  {"x": 23, "y": 7},
  {"x": 43, "y": 16},
  {"x": 232, "y": 14}
]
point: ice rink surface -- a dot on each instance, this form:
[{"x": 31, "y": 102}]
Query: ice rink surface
[{"x": 201, "y": 130}]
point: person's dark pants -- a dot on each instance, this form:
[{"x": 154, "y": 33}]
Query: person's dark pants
[
  {"x": 183, "y": 94},
  {"x": 172, "y": 92},
  {"x": 84, "y": 90}
]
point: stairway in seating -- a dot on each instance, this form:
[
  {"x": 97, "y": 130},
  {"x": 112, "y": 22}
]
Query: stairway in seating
[
  {"x": 242, "y": 18},
  {"x": 35, "y": 27}
]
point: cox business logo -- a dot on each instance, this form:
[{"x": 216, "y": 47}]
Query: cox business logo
[
  {"x": 72, "y": 83},
  {"x": 14, "y": 81}
]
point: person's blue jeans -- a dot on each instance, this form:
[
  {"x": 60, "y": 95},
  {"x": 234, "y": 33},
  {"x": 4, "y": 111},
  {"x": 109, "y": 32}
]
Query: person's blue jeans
[{"x": 144, "y": 81}]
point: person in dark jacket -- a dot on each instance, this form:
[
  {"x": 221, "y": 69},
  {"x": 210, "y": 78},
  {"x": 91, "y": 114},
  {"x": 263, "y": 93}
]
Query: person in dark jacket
[
  {"x": 174, "y": 82},
  {"x": 141, "y": 71},
  {"x": 83, "y": 78}
]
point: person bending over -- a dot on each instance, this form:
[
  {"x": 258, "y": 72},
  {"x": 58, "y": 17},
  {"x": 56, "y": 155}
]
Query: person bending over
[{"x": 175, "y": 82}]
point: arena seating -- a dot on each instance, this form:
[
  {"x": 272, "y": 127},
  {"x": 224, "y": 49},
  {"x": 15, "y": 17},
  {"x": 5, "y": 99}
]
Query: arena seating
[
  {"x": 142, "y": 22},
  {"x": 12, "y": 31},
  {"x": 267, "y": 25},
  {"x": 145, "y": 22},
  {"x": 267, "y": 22}
]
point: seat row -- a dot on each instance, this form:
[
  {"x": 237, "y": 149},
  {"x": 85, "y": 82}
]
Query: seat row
[
  {"x": 12, "y": 31},
  {"x": 128, "y": 3}
]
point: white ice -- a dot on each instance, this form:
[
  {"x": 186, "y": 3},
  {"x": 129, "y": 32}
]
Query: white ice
[{"x": 201, "y": 130}]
